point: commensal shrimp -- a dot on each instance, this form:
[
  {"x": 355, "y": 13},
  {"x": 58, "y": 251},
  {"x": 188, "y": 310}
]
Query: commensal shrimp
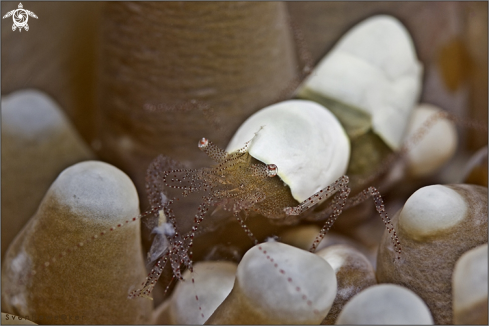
[
  {"x": 283, "y": 190},
  {"x": 241, "y": 184}
]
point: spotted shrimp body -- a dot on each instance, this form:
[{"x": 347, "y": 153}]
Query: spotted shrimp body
[{"x": 244, "y": 180}]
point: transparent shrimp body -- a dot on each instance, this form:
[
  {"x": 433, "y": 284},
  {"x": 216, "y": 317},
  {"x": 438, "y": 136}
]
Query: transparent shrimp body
[{"x": 279, "y": 179}]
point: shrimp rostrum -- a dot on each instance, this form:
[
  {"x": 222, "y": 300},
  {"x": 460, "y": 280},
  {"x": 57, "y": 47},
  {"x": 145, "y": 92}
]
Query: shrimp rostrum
[{"x": 284, "y": 160}]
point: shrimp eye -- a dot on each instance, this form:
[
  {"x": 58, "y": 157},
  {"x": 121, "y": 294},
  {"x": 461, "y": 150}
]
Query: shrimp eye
[
  {"x": 203, "y": 143},
  {"x": 272, "y": 170}
]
